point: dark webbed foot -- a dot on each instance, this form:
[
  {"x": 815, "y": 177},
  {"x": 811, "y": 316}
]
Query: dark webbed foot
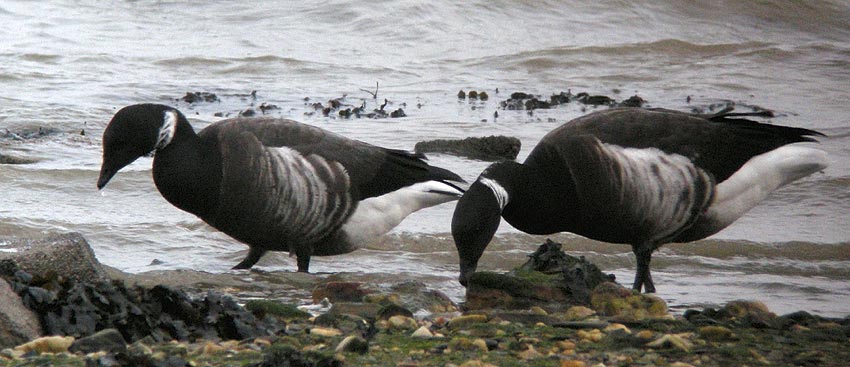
[
  {"x": 643, "y": 277},
  {"x": 254, "y": 255}
]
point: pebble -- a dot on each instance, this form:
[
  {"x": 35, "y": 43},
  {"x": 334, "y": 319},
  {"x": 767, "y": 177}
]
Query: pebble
[
  {"x": 481, "y": 344},
  {"x": 537, "y": 310},
  {"x": 326, "y": 332},
  {"x": 353, "y": 343},
  {"x": 402, "y": 322},
  {"x": 47, "y": 344},
  {"x": 594, "y": 335},
  {"x": 529, "y": 353},
  {"x": 677, "y": 341},
  {"x": 466, "y": 320},
  {"x": 573, "y": 364},
  {"x": 616, "y": 326},
  {"x": 422, "y": 332},
  {"x": 579, "y": 313},
  {"x": 565, "y": 345},
  {"x": 715, "y": 333},
  {"x": 212, "y": 348}
]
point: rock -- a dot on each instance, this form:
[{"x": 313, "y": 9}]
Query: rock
[
  {"x": 10, "y": 159},
  {"x": 550, "y": 279},
  {"x": 578, "y": 313},
  {"x": 481, "y": 345},
  {"x": 489, "y": 148},
  {"x": 353, "y": 343},
  {"x": 262, "y": 308},
  {"x": 285, "y": 355},
  {"x": 615, "y": 327},
  {"x": 195, "y": 97},
  {"x": 340, "y": 292},
  {"x": 423, "y": 333},
  {"x": 18, "y": 324},
  {"x": 64, "y": 256},
  {"x": 402, "y": 322},
  {"x": 573, "y": 364},
  {"x": 417, "y": 297},
  {"x": 611, "y": 299},
  {"x": 326, "y": 332},
  {"x": 47, "y": 344},
  {"x": 715, "y": 333},
  {"x": 678, "y": 341},
  {"x": 466, "y": 320},
  {"x": 392, "y": 310},
  {"x": 529, "y": 353},
  {"x": 370, "y": 311},
  {"x": 107, "y": 340}
]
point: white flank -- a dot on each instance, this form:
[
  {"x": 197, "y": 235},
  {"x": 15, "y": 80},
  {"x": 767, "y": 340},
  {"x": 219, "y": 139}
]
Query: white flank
[
  {"x": 498, "y": 191},
  {"x": 760, "y": 176},
  {"x": 166, "y": 132},
  {"x": 305, "y": 203},
  {"x": 378, "y": 215},
  {"x": 665, "y": 198}
]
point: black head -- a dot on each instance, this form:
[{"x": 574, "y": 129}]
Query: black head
[
  {"x": 475, "y": 221},
  {"x": 136, "y": 131}
]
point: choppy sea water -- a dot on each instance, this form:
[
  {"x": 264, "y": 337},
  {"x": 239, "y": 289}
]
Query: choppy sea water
[{"x": 66, "y": 67}]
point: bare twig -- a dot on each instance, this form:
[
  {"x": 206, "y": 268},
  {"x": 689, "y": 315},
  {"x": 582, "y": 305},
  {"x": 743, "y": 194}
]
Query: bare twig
[{"x": 374, "y": 94}]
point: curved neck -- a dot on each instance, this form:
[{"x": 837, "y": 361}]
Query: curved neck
[
  {"x": 540, "y": 202},
  {"x": 187, "y": 171}
]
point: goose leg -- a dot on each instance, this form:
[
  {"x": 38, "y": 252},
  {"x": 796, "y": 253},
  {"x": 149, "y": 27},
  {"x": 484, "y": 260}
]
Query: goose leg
[
  {"x": 254, "y": 255},
  {"x": 303, "y": 263},
  {"x": 643, "y": 277}
]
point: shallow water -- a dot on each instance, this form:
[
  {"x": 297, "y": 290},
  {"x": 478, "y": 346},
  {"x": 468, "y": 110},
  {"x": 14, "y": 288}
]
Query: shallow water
[{"x": 66, "y": 69}]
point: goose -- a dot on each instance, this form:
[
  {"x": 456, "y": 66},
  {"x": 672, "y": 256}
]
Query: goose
[
  {"x": 642, "y": 177},
  {"x": 276, "y": 184}
]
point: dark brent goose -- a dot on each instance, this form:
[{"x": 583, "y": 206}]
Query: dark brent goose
[
  {"x": 634, "y": 176},
  {"x": 274, "y": 184}
]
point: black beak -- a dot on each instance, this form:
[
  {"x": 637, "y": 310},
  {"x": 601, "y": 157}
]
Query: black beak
[{"x": 106, "y": 174}]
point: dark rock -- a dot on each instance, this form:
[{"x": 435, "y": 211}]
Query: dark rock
[
  {"x": 550, "y": 279},
  {"x": 28, "y": 133},
  {"x": 473, "y": 94},
  {"x": 416, "y": 296},
  {"x": 354, "y": 344},
  {"x": 580, "y": 276},
  {"x": 107, "y": 340},
  {"x": 398, "y": 113},
  {"x": 267, "y": 107},
  {"x": 340, "y": 292},
  {"x": 195, "y": 97},
  {"x": 159, "y": 313},
  {"x": 461, "y": 94},
  {"x": 64, "y": 256},
  {"x": 18, "y": 324},
  {"x": 248, "y": 113},
  {"x": 633, "y": 101},
  {"x": 483, "y": 96},
  {"x": 10, "y": 159},
  {"x": 267, "y": 308},
  {"x": 285, "y": 355},
  {"x": 594, "y": 100},
  {"x": 365, "y": 310},
  {"x": 483, "y": 148},
  {"x": 393, "y": 310}
]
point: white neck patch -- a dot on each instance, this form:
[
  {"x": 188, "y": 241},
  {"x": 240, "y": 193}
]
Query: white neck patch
[
  {"x": 166, "y": 132},
  {"x": 498, "y": 191}
]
